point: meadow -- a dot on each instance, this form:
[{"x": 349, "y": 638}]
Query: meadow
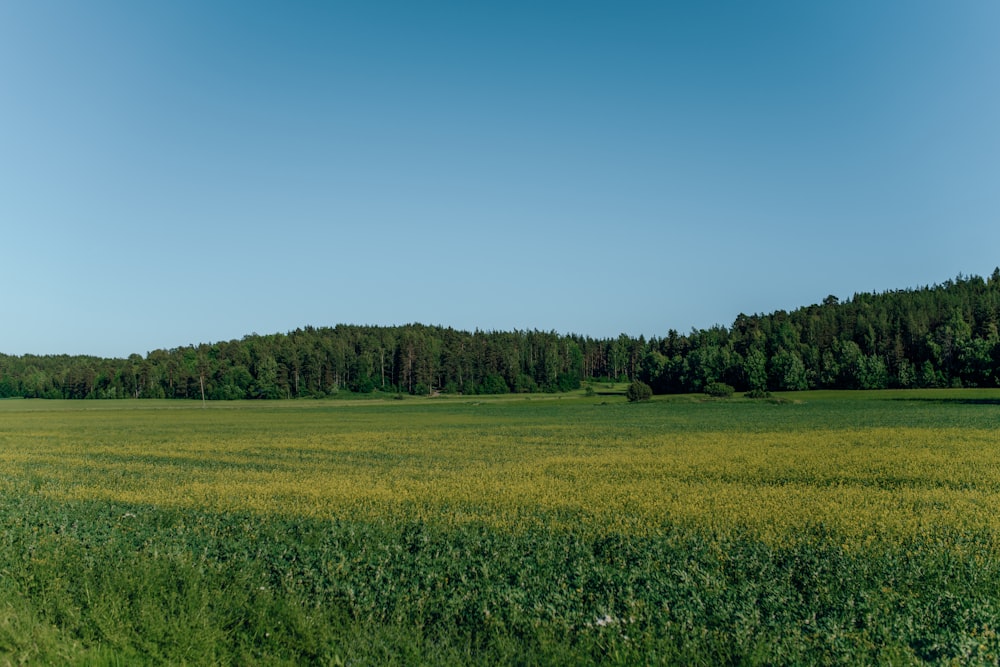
[{"x": 817, "y": 528}]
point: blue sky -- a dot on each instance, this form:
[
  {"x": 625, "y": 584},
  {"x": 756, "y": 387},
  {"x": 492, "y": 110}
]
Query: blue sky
[{"x": 183, "y": 172}]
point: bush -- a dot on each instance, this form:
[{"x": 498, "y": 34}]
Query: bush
[
  {"x": 758, "y": 393},
  {"x": 525, "y": 384},
  {"x": 638, "y": 391},
  {"x": 719, "y": 390},
  {"x": 568, "y": 381},
  {"x": 363, "y": 385},
  {"x": 493, "y": 384}
]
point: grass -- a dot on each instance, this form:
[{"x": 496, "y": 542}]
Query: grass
[{"x": 832, "y": 528}]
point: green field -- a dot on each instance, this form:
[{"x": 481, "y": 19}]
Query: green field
[{"x": 817, "y": 528}]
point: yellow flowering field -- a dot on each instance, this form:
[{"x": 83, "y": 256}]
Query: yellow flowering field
[{"x": 760, "y": 468}]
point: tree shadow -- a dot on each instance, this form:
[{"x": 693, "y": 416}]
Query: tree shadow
[{"x": 954, "y": 401}]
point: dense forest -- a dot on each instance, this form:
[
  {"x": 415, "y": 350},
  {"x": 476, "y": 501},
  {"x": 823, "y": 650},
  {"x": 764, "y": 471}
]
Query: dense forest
[{"x": 940, "y": 336}]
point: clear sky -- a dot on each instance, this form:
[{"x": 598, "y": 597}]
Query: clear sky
[{"x": 183, "y": 172}]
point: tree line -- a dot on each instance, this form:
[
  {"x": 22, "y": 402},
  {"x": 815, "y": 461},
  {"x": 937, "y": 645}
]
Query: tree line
[{"x": 938, "y": 336}]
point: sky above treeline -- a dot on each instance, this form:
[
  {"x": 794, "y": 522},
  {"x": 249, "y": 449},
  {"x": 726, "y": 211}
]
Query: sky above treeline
[{"x": 184, "y": 172}]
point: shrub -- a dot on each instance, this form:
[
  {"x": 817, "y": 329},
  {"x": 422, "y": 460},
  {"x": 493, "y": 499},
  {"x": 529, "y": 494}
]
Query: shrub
[
  {"x": 719, "y": 389},
  {"x": 758, "y": 393},
  {"x": 493, "y": 384},
  {"x": 638, "y": 391},
  {"x": 525, "y": 384},
  {"x": 568, "y": 381},
  {"x": 363, "y": 385}
]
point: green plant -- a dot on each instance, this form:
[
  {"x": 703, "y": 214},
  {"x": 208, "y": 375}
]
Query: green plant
[
  {"x": 719, "y": 390},
  {"x": 758, "y": 393},
  {"x": 638, "y": 391}
]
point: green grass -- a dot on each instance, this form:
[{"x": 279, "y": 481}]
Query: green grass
[{"x": 833, "y": 528}]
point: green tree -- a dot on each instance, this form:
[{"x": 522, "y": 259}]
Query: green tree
[
  {"x": 872, "y": 372},
  {"x": 755, "y": 369},
  {"x": 975, "y": 362},
  {"x": 266, "y": 382},
  {"x": 788, "y": 371},
  {"x": 928, "y": 376}
]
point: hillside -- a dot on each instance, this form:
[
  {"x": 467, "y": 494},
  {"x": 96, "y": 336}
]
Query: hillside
[{"x": 938, "y": 336}]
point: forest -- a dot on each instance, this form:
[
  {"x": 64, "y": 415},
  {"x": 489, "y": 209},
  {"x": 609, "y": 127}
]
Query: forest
[{"x": 944, "y": 335}]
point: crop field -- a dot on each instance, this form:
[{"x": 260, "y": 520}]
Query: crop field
[{"x": 818, "y": 528}]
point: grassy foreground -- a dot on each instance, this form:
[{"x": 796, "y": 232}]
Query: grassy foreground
[{"x": 835, "y": 528}]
